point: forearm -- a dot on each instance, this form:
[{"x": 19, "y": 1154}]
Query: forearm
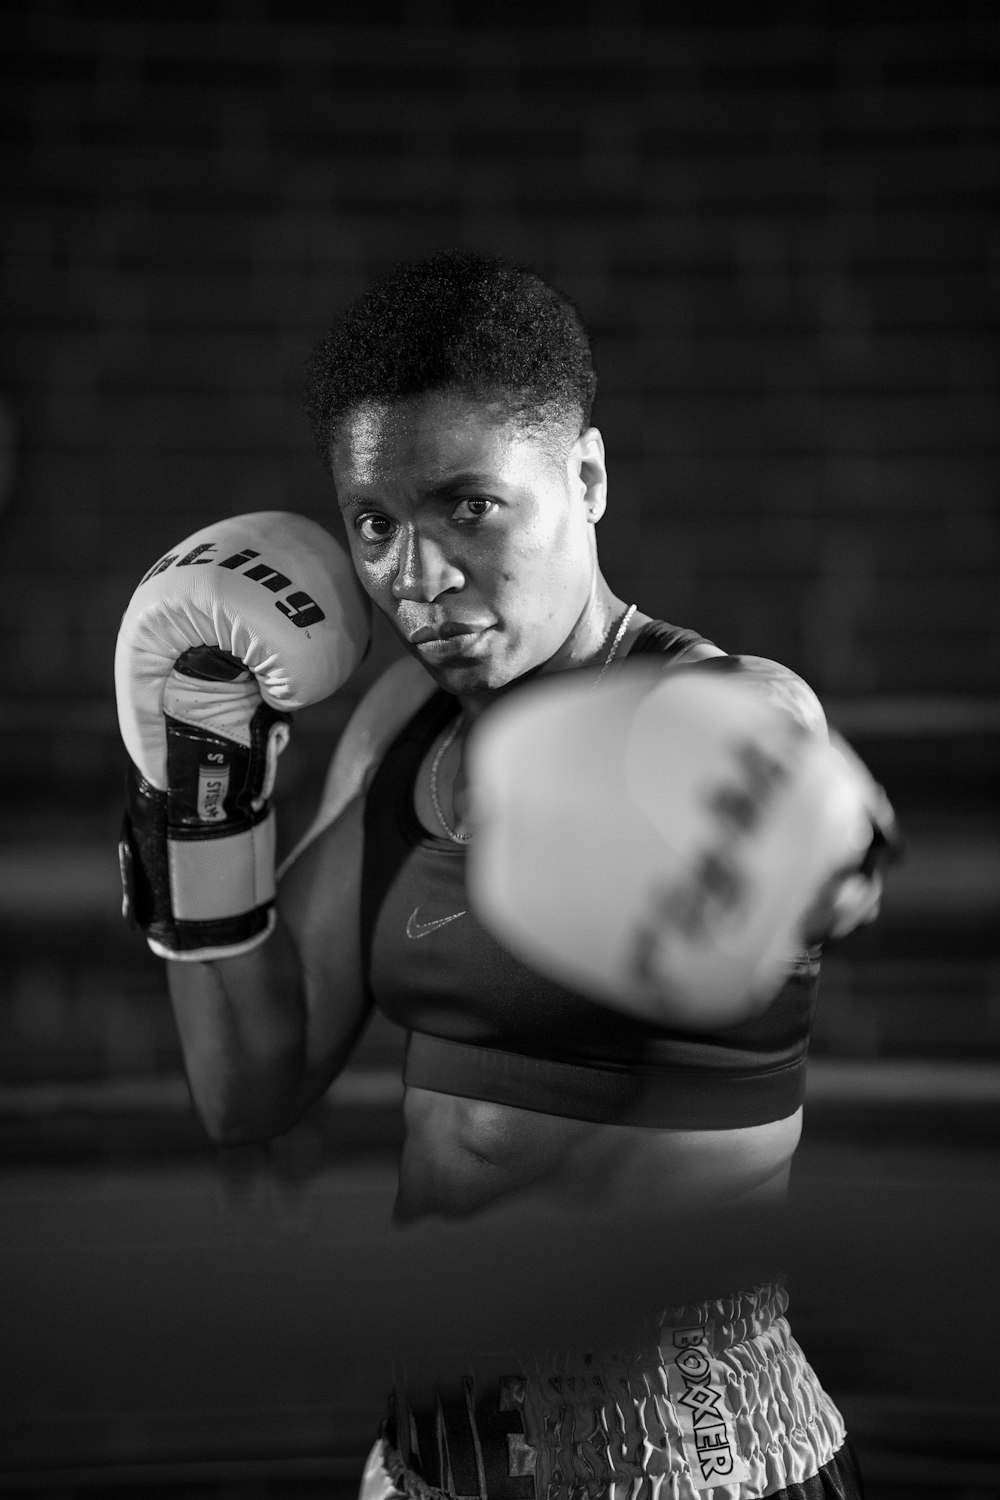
[
  {"x": 209, "y": 666},
  {"x": 243, "y": 1028}
]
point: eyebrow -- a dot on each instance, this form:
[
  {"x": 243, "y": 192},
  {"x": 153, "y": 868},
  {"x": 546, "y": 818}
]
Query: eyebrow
[
  {"x": 459, "y": 481},
  {"x": 440, "y": 491}
]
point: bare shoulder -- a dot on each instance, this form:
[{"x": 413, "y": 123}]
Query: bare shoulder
[{"x": 777, "y": 684}]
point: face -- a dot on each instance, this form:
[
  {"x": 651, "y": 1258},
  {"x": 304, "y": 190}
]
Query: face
[{"x": 474, "y": 538}]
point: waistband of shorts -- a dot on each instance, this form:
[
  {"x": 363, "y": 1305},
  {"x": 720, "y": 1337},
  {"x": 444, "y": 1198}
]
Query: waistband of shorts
[
  {"x": 727, "y": 1323},
  {"x": 734, "y": 1318},
  {"x": 730, "y": 1385}
]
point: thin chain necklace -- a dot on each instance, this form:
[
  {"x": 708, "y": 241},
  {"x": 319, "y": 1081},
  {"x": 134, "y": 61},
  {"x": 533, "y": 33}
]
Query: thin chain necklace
[
  {"x": 443, "y": 748},
  {"x": 447, "y": 742},
  {"x": 613, "y": 650}
]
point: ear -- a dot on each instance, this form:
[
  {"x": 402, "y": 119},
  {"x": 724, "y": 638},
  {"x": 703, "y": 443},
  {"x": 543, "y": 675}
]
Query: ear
[{"x": 589, "y": 468}]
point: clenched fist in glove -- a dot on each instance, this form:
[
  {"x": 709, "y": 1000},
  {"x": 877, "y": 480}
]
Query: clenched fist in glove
[
  {"x": 224, "y": 637},
  {"x": 667, "y": 842}
]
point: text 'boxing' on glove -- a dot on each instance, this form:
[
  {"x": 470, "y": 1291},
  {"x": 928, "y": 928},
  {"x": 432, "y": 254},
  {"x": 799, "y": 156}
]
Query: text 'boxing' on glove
[{"x": 232, "y": 630}]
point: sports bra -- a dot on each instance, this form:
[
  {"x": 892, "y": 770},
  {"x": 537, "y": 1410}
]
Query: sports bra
[{"x": 482, "y": 1025}]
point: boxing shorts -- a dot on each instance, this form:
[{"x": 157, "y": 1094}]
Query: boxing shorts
[{"x": 724, "y": 1406}]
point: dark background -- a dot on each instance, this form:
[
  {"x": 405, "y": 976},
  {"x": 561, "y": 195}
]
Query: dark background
[{"x": 780, "y": 222}]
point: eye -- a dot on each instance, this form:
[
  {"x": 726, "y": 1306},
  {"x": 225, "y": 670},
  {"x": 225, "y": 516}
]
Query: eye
[
  {"x": 374, "y": 528},
  {"x": 473, "y": 508}
]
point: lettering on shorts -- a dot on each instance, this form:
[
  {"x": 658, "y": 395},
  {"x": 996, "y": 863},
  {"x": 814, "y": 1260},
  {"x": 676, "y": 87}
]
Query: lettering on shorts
[
  {"x": 298, "y": 606},
  {"x": 697, "y": 1387}
]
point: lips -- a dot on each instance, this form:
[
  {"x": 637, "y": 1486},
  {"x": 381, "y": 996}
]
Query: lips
[
  {"x": 450, "y": 644},
  {"x": 446, "y": 631}
]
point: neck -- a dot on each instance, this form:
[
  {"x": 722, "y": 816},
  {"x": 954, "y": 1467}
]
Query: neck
[
  {"x": 588, "y": 642},
  {"x": 586, "y": 645}
]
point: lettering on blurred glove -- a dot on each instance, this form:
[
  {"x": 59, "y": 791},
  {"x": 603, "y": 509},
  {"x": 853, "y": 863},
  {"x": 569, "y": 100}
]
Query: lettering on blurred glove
[{"x": 716, "y": 885}]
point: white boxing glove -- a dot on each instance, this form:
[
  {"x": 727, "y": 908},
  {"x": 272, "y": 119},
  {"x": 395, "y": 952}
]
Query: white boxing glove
[
  {"x": 225, "y": 636},
  {"x": 659, "y": 842}
]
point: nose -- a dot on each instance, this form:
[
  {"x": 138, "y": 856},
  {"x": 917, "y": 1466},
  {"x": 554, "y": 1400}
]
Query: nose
[{"x": 424, "y": 570}]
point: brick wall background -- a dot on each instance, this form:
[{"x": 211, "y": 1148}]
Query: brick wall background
[{"x": 779, "y": 220}]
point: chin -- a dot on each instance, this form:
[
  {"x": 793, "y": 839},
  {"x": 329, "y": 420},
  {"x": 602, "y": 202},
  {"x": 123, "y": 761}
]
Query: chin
[
  {"x": 467, "y": 677},
  {"x": 468, "y": 682}
]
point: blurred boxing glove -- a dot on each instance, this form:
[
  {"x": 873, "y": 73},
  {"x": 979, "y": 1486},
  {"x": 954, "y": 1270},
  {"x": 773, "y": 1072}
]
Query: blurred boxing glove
[
  {"x": 234, "y": 628},
  {"x": 667, "y": 842}
]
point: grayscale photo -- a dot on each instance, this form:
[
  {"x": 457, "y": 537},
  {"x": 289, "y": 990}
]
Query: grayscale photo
[{"x": 499, "y": 844}]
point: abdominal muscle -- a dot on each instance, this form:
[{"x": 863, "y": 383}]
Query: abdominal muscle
[
  {"x": 461, "y": 1156},
  {"x": 545, "y": 1232}
]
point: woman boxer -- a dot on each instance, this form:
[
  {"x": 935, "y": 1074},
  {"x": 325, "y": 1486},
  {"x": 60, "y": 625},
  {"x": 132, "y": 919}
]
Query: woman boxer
[{"x": 452, "y": 405}]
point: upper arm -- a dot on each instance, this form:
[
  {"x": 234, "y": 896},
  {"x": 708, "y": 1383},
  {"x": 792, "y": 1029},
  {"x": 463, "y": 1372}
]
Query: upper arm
[
  {"x": 319, "y": 903},
  {"x": 776, "y": 684},
  {"x": 851, "y": 897}
]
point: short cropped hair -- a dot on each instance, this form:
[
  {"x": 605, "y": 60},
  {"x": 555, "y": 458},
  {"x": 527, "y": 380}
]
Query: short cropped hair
[{"x": 458, "y": 321}]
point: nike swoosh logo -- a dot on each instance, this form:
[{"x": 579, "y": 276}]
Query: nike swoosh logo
[{"x": 415, "y": 929}]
